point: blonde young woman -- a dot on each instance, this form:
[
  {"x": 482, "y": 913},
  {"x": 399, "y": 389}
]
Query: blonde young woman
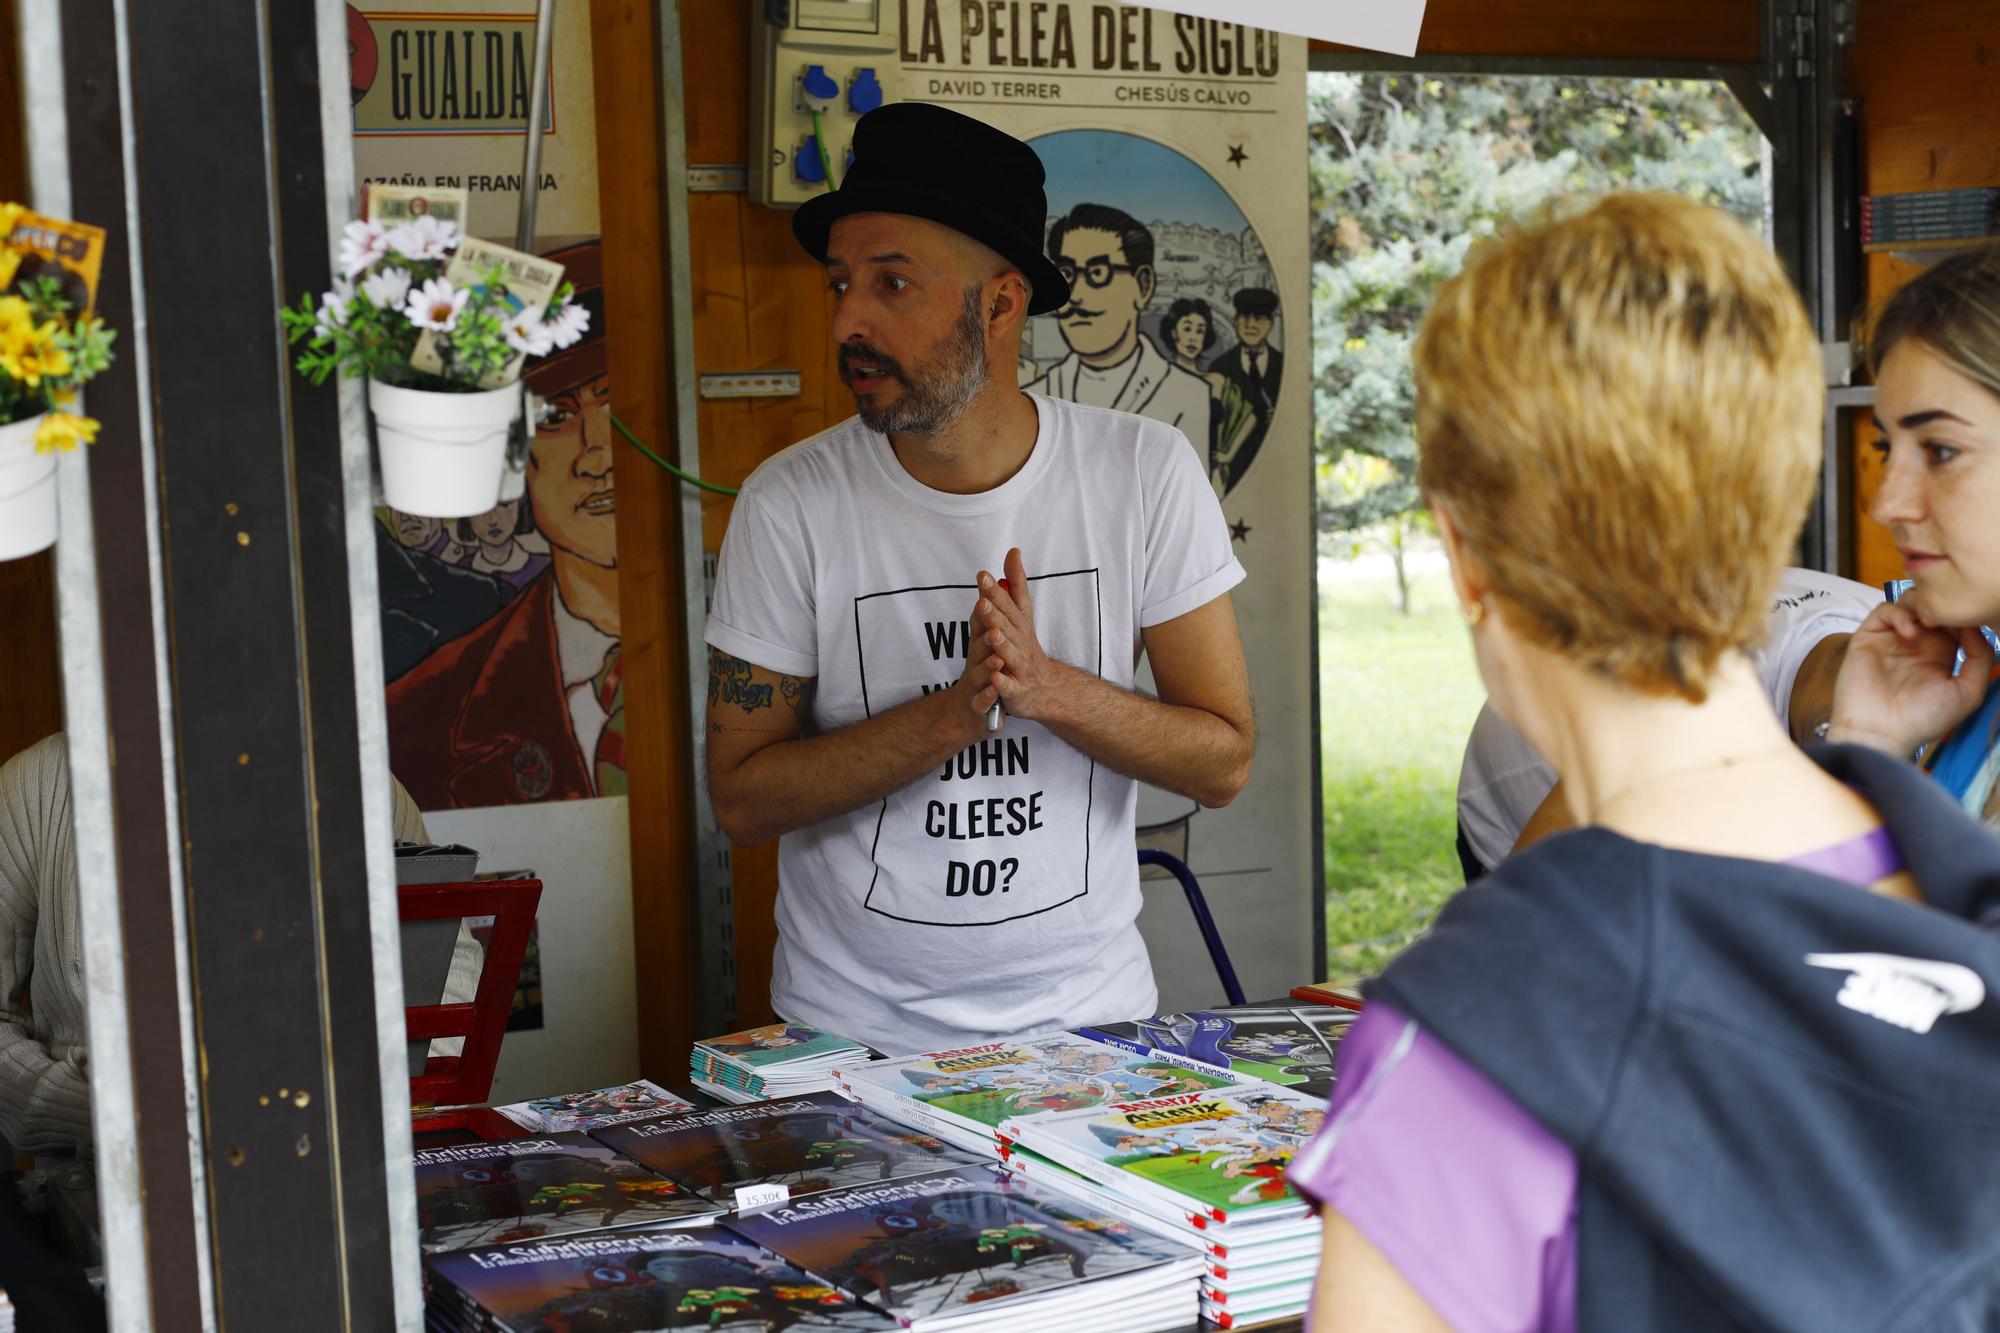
[
  {"x": 1935, "y": 351},
  {"x": 1725, "y": 1056}
]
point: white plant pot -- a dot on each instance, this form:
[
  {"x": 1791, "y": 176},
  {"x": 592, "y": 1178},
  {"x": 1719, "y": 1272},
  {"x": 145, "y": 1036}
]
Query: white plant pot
[
  {"x": 442, "y": 453},
  {"x": 27, "y": 492}
]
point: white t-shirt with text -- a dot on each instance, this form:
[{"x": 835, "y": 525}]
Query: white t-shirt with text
[
  {"x": 999, "y": 894},
  {"x": 1503, "y": 780}
]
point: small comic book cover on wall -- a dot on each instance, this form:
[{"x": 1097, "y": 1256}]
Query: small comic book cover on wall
[{"x": 1177, "y": 195}]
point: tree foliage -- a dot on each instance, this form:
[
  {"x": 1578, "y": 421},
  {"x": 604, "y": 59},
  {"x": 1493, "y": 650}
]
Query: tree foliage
[{"x": 1409, "y": 171}]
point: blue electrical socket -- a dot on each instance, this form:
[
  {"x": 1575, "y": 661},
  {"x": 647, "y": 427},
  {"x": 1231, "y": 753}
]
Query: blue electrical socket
[
  {"x": 806, "y": 162},
  {"x": 817, "y": 89},
  {"x": 864, "y": 94}
]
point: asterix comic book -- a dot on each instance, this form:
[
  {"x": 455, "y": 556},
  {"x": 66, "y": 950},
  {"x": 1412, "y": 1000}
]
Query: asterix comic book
[
  {"x": 974, "y": 1088},
  {"x": 1281, "y": 1042},
  {"x": 925, "y": 1248},
  {"x": 1220, "y": 1156},
  {"x": 632, "y": 1280},
  {"x": 807, "y": 1144},
  {"x": 600, "y": 1106},
  {"x": 550, "y": 1185}
]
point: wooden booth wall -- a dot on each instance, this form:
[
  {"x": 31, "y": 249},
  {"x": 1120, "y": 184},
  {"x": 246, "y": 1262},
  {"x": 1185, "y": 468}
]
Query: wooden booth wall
[
  {"x": 1928, "y": 79},
  {"x": 761, "y": 304},
  {"x": 30, "y": 665}
]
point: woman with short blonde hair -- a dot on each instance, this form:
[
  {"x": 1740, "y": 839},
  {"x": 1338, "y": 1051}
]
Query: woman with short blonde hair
[{"x": 1634, "y": 1078}]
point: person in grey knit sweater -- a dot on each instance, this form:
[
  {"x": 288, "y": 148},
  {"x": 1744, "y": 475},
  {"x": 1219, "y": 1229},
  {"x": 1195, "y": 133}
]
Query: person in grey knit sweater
[{"x": 44, "y": 1051}]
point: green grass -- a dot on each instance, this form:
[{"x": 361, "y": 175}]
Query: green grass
[{"x": 1397, "y": 698}]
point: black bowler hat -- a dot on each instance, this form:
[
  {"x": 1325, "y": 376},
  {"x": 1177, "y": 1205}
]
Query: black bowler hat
[
  {"x": 1257, "y": 301},
  {"x": 927, "y": 162}
]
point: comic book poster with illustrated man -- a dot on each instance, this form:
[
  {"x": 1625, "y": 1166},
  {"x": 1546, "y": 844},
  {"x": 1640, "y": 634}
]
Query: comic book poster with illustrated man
[
  {"x": 508, "y": 687},
  {"x": 1178, "y": 219},
  {"x": 1171, "y": 312}
]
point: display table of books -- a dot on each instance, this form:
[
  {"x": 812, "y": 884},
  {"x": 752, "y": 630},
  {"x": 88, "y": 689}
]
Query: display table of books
[{"x": 1057, "y": 1181}]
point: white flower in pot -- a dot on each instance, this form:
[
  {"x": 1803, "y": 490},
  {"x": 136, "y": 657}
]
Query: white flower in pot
[{"x": 439, "y": 325}]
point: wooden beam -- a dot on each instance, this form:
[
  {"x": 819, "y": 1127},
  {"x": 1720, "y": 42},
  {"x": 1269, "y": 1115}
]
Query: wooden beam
[
  {"x": 31, "y": 705},
  {"x": 1708, "y": 30},
  {"x": 759, "y": 304},
  {"x": 624, "y": 41}
]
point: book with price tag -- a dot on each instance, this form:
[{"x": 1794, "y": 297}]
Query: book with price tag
[{"x": 974, "y": 1248}]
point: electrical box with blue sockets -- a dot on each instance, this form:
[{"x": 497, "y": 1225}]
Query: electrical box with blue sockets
[{"x": 820, "y": 66}]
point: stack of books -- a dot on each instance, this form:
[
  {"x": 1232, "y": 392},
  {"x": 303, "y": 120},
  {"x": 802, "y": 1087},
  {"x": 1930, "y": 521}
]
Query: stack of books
[
  {"x": 1930, "y": 219},
  {"x": 652, "y": 1279},
  {"x": 963, "y": 1095},
  {"x": 780, "y": 1060},
  {"x": 547, "y": 1185},
  {"x": 600, "y": 1106},
  {"x": 975, "y": 1248},
  {"x": 1280, "y": 1041},
  {"x": 754, "y": 1156},
  {"x": 1210, "y": 1168}
]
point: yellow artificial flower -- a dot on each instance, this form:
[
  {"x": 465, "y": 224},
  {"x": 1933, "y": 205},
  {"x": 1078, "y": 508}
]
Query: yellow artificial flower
[
  {"x": 63, "y": 432},
  {"x": 41, "y": 357},
  {"x": 17, "y": 322},
  {"x": 10, "y": 259}
]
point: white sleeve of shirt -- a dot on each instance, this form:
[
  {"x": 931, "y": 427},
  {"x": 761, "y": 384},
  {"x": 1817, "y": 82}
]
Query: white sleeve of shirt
[
  {"x": 1501, "y": 783},
  {"x": 1189, "y": 562},
  {"x": 763, "y": 606},
  {"x": 1808, "y": 606}
]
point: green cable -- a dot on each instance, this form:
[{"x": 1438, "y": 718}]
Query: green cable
[
  {"x": 687, "y": 477},
  {"x": 825, "y": 158}
]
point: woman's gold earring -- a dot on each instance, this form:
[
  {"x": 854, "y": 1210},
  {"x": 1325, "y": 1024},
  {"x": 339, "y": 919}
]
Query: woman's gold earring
[{"x": 1473, "y": 612}]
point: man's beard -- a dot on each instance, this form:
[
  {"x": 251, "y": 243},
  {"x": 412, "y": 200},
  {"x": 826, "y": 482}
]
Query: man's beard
[{"x": 942, "y": 387}]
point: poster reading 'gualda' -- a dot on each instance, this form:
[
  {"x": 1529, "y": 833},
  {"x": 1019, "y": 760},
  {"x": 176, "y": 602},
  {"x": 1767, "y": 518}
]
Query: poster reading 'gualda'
[
  {"x": 501, "y": 639},
  {"x": 1177, "y": 198}
]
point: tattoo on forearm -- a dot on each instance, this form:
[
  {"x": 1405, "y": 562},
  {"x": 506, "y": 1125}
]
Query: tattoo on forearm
[{"x": 729, "y": 682}]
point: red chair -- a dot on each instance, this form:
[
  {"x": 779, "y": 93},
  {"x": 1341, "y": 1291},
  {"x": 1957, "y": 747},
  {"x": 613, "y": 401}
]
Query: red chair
[{"x": 450, "y": 1093}]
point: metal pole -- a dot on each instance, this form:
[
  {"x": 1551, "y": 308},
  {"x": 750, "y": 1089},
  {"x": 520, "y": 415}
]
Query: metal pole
[
  {"x": 538, "y": 112},
  {"x": 114, "y": 1097},
  {"x": 714, "y": 916}
]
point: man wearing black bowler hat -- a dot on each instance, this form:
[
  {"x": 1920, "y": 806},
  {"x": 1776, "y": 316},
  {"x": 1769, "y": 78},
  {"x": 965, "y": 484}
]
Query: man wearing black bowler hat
[
  {"x": 940, "y": 882},
  {"x": 1253, "y": 366}
]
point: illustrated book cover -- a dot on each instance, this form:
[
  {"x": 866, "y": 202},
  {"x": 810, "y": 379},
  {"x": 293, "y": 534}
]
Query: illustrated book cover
[
  {"x": 1220, "y": 1155},
  {"x": 548, "y": 1185},
  {"x": 973, "y": 1089},
  {"x": 600, "y": 1106},
  {"x": 1282, "y": 1042},
  {"x": 631, "y": 1280},
  {"x": 929, "y": 1247},
  {"x": 806, "y": 1144}
]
